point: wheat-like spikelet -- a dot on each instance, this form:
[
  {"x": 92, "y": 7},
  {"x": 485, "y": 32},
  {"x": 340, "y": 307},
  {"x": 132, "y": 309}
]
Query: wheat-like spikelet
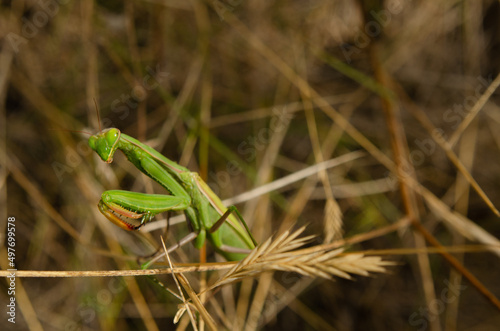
[{"x": 283, "y": 254}]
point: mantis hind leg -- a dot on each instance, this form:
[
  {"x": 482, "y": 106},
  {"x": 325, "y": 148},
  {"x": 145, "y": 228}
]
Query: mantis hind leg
[{"x": 223, "y": 218}]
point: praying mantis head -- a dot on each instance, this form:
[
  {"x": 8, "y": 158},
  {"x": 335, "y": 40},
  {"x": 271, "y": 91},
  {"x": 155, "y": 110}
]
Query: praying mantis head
[{"x": 105, "y": 143}]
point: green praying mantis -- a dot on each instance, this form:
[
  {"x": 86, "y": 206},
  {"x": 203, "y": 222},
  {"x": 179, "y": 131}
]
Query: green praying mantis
[{"x": 207, "y": 216}]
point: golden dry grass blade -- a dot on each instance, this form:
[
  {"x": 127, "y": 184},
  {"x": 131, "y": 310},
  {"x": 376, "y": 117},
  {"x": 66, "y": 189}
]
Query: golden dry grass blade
[
  {"x": 474, "y": 111},
  {"x": 185, "y": 307},
  {"x": 447, "y": 147},
  {"x": 197, "y": 303}
]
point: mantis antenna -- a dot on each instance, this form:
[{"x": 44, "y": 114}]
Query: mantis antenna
[{"x": 98, "y": 115}]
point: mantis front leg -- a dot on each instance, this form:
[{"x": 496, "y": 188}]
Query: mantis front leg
[{"x": 117, "y": 204}]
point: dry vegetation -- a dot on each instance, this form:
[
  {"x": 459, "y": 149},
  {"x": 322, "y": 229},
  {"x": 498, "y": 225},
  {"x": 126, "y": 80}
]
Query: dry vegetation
[{"x": 245, "y": 93}]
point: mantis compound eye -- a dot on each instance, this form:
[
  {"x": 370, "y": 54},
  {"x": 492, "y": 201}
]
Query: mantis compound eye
[{"x": 112, "y": 136}]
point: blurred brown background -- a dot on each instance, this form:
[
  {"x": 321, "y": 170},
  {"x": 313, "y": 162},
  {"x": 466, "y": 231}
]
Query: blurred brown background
[{"x": 245, "y": 92}]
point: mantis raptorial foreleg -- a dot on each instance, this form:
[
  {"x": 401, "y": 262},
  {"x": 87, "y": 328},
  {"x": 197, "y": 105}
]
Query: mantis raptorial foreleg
[{"x": 130, "y": 205}]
